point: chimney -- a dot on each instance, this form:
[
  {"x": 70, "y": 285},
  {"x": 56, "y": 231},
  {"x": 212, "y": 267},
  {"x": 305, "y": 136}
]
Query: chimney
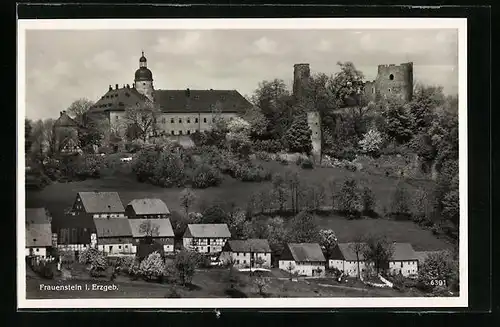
[
  {"x": 110, "y": 88},
  {"x": 188, "y": 93},
  {"x": 116, "y": 86}
]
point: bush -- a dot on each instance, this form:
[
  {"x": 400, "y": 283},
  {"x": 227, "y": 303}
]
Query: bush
[
  {"x": 306, "y": 164},
  {"x": 264, "y": 156},
  {"x": 205, "y": 176},
  {"x": 124, "y": 263},
  {"x": 134, "y": 146},
  {"x": 247, "y": 172},
  {"x": 43, "y": 269},
  {"x": 272, "y": 146},
  {"x": 438, "y": 267},
  {"x": 97, "y": 260},
  {"x": 89, "y": 166},
  {"x": 400, "y": 205},
  {"x": 152, "y": 267},
  {"x": 368, "y": 201},
  {"x": 349, "y": 201}
]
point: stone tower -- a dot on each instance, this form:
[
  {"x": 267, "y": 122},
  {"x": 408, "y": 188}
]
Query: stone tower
[
  {"x": 301, "y": 75},
  {"x": 393, "y": 81},
  {"x": 143, "y": 81}
]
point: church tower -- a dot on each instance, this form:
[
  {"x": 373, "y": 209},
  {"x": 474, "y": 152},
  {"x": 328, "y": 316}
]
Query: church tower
[{"x": 144, "y": 78}]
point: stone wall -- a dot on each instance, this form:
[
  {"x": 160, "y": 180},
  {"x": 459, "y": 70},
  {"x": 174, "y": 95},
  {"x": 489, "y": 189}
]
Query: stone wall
[{"x": 394, "y": 81}]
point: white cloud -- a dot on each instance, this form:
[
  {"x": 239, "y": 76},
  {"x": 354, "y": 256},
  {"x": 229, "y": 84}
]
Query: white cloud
[
  {"x": 189, "y": 43},
  {"x": 106, "y": 60},
  {"x": 265, "y": 45},
  {"x": 324, "y": 46}
]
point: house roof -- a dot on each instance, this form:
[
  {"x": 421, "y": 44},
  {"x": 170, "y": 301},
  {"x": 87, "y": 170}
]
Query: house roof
[
  {"x": 149, "y": 207},
  {"x": 164, "y": 227},
  {"x": 207, "y": 230},
  {"x": 306, "y": 252},
  {"x": 112, "y": 227},
  {"x": 37, "y": 216},
  {"x": 65, "y": 120},
  {"x": 348, "y": 252},
  {"x": 38, "y": 234},
  {"x": 197, "y": 101},
  {"x": 403, "y": 252},
  {"x": 250, "y": 245},
  {"x": 118, "y": 100},
  {"x": 97, "y": 202}
]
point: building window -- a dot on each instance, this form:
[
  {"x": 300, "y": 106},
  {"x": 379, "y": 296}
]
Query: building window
[
  {"x": 373, "y": 90},
  {"x": 172, "y": 132},
  {"x": 204, "y": 120},
  {"x": 126, "y": 246},
  {"x": 180, "y": 132},
  {"x": 213, "y": 120},
  {"x": 391, "y": 77},
  {"x": 144, "y": 84},
  {"x": 196, "y": 120},
  {"x": 171, "y": 120},
  {"x": 389, "y": 90},
  {"x": 163, "y": 120},
  {"x": 189, "y": 120},
  {"x": 180, "y": 120},
  {"x": 37, "y": 250},
  {"x": 120, "y": 247},
  {"x": 188, "y": 132}
]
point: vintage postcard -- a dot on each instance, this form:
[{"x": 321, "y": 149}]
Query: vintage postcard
[{"x": 255, "y": 163}]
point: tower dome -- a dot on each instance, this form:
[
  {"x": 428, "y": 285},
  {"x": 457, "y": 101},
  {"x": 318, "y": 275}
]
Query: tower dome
[{"x": 143, "y": 73}]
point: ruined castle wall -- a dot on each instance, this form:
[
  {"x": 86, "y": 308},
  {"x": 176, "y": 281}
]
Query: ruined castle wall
[
  {"x": 394, "y": 81},
  {"x": 314, "y": 122},
  {"x": 301, "y": 74},
  {"x": 369, "y": 90}
]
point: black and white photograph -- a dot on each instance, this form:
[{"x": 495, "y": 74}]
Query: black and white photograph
[{"x": 209, "y": 163}]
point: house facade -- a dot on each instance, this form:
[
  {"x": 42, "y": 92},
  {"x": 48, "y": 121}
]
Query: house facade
[
  {"x": 158, "y": 230},
  {"x": 347, "y": 261},
  {"x": 404, "y": 260},
  {"x": 38, "y": 232},
  {"x": 114, "y": 237},
  {"x": 206, "y": 238},
  {"x": 147, "y": 209},
  {"x": 251, "y": 253},
  {"x": 303, "y": 259},
  {"x": 99, "y": 205}
]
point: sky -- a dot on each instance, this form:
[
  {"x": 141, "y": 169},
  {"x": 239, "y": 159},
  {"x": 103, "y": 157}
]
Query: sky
[{"x": 65, "y": 65}]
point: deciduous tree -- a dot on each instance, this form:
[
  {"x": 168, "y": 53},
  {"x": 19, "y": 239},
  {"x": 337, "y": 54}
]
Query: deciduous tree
[
  {"x": 378, "y": 250},
  {"x": 187, "y": 199},
  {"x": 142, "y": 120}
]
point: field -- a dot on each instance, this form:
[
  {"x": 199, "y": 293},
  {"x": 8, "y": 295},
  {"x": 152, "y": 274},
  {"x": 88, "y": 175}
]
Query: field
[
  {"x": 206, "y": 284},
  {"x": 59, "y": 196}
]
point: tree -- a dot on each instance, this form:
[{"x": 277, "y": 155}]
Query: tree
[
  {"x": 349, "y": 201},
  {"x": 368, "y": 201},
  {"x": 303, "y": 229},
  {"x": 332, "y": 188},
  {"x": 298, "y": 136},
  {"x": 261, "y": 283},
  {"x": 152, "y": 267},
  {"x": 438, "y": 267},
  {"x": 398, "y": 120},
  {"x": 425, "y": 101},
  {"x": 277, "y": 235},
  {"x": 401, "y": 200},
  {"x": 78, "y": 109},
  {"x": 371, "y": 142},
  {"x": 141, "y": 120},
  {"x": 215, "y": 214},
  {"x": 379, "y": 251},
  {"x": 27, "y": 135},
  {"x": 279, "y": 190},
  {"x": 451, "y": 202},
  {"x": 328, "y": 240},
  {"x": 257, "y": 121},
  {"x": 185, "y": 264},
  {"x": 150, "y": 229},
  {"x": 187, "y": 199},
  {"x": 294, "y": 185},
  {"x": 347, "y": 85},
  {"x": 359, "y": 248}
]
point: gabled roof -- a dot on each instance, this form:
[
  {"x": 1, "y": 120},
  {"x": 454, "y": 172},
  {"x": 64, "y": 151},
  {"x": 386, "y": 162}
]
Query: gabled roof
[
  {"x": 207, "y": 230},
  {"x": 306, "y": 252},
  {"x": 200, "y": 101},
  {"x": 118, "y": 100},
  {"x": 37, "y": 216},
  {"x": 403, "y": 252},
  {"x": 101, "y": 202},
  {"x": 250, "y": 245},
  {"x": 65, "y": 120},
  {"x": 348, "y": 252},
  {"x": 149, "y": 207},
  {"x": 164, "y": 227},
  {"x": 112, "y": 227}
]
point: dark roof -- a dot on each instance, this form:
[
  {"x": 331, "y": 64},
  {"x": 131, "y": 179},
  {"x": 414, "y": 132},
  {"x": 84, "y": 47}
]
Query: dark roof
[
  {"x": 37, "y": 216},
  {"x": 118, "y": 100},
  {"x": 149, "y": 207},
  {"x": 164, "y": 227},
  {"x": 62, "y": 221},
  {"x": 97, "y": 202},
  {"x": 403, "y": 252},
  {"x": 207, "y": 230},
  {"x": 306, "y": 252},
  {"x": 201, "y": 101},
  {"x": 112, "y": 227},
  {"x": 348, "y": 252},
  {"x": 143, "y": 74},
  {"x": 38, "y": 234},
  {"x": 65, "y": 120},
  {"x": 250, "y": 245}
]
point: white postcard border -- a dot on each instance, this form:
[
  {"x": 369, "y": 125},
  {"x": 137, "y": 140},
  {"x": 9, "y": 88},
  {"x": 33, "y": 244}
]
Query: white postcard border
[{"x": 196, "y": 24}]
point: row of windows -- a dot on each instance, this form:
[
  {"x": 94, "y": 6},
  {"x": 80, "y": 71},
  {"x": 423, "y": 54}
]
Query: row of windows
[{"x": 188, "y": 120}]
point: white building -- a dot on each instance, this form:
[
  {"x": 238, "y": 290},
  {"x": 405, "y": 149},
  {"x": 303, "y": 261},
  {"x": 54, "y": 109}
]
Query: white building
[
  {"x": 38, "y": 232},
  {"x": 159, "y": 230},
  {"x": 304, "y": 259},
  {"x": 346, "y": 259},
  {"x": 251, "y": 253},
  {"x": 404, "y": 260},
  {"x": 206, "y": 238},
  {"x": 114, "y": 236}
]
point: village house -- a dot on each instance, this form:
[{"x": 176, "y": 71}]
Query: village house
[
  {"x": 99, "y": 205},
  {"x": 73, "y": 232},
  {"x": 251, "y": 253},
  {"x": 113, "y": 236},
  {"x": 158, "y": 230},
  {"x": 39, "y": 239},
  {"x": 303, "y": 259},
  {"x": 345, "y": 259},
  {"x": 206, "y": 238},
  {"x": 147, "y": 208},
  {"x": 404, "y": 260}
]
